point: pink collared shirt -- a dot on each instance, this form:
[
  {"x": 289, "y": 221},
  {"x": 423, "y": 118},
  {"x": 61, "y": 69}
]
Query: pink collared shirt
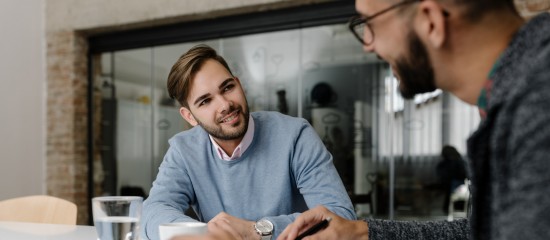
[{"x": 239, "y": 150}]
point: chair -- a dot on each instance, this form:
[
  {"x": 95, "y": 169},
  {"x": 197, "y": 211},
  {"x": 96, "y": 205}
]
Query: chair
[
  {"x": 38, "y": 209},
  {"x": 363, "y": 199},
  {"x": 462, "y": 193}
]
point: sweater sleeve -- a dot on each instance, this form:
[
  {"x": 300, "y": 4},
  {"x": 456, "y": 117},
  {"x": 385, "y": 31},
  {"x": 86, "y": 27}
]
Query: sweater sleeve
[
  {"x": 316, "y": 179},
  {"x": 430, "y": 230},
  {"x": 169, "y": 197}
]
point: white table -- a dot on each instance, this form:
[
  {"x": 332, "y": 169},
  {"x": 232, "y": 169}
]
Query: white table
[{"x": 36, "y": 231}]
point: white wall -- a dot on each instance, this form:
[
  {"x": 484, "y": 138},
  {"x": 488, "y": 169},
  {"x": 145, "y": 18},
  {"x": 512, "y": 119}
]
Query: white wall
[
  {"x": 89, "y": 15},
  {"x": 22, "y": 98}
]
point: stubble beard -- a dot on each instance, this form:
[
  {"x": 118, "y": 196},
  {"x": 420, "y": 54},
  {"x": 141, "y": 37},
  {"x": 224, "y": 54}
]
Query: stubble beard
[
  {"x": 218, "y": 132},
  {"x": 415, "y": 70}
]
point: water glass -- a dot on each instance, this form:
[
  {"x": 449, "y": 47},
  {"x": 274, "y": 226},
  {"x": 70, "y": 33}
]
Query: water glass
[{"x": 117, "y": 217}]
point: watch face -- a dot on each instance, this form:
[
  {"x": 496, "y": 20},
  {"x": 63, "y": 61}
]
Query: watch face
[{"x": 264, "y": 226}]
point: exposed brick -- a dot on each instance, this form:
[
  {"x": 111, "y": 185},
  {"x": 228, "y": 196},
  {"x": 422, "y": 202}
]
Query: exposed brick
[{"x": 66, "y": 149}]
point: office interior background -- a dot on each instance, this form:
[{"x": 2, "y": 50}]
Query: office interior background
[{"x": 85, "y": 110}]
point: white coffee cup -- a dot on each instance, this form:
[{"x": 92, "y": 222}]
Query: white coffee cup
[{"x": 169, "y": 230}]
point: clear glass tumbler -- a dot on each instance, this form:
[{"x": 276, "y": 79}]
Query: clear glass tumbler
[{"x": 117, "y": 217}]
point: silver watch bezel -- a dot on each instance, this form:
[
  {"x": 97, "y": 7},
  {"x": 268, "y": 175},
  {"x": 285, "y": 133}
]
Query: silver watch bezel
[{"x": 264, "y": 233}]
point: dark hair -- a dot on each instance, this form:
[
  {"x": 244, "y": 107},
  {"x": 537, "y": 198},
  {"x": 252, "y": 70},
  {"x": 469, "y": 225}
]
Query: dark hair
[
  {"x": 451, "y": 166},
  {"x": 182, "y": 73},
  {"x": 475, "y": 9},
  {"x": 450, "y": 153}
]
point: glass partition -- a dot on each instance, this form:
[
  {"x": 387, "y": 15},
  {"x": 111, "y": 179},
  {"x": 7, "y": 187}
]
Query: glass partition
[{"x": 385, "y": 149}]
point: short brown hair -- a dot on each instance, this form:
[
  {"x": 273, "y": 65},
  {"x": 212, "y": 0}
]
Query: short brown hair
[
  {"x": 181, "y": 76},
  {"x": 476, "y": 8}
]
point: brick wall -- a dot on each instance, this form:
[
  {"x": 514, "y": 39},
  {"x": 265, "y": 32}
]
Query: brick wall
[{"x": 66, "y": 143}]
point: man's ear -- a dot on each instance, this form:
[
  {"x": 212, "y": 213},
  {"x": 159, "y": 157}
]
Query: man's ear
[
  {"x": 188, "y": 116},
  {"x": 431, "y": 24}
]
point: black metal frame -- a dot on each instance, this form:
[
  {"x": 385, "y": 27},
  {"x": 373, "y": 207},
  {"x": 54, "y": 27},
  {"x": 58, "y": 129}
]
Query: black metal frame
[
  {"x": 290, "y": 18},
  {"x": 334, "y": 12}
]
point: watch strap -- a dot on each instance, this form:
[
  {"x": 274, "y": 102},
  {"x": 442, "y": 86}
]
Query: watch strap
[{"x": 266, "y": 237}]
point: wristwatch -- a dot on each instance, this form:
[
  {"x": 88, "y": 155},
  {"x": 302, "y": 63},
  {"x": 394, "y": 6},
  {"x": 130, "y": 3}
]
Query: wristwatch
[{"x": 264, "y": 228}]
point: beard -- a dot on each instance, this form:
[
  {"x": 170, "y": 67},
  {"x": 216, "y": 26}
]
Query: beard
[
  {"x": 216, "y": 131},
  {"x": 415, "y": 70}
]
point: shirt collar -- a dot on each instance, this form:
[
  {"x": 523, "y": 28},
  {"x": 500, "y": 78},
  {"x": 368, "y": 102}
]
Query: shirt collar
[{"x": 241, "y": 148}]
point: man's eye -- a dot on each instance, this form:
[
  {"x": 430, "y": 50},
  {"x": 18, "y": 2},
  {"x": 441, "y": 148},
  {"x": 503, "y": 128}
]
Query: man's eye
[
  {"x": 228, "y": 87},
  {"x": 203, "y": 102}
]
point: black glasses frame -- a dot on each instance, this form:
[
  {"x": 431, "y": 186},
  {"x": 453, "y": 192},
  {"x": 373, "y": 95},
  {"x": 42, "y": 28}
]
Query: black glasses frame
[{"x": 358, "y": 20}]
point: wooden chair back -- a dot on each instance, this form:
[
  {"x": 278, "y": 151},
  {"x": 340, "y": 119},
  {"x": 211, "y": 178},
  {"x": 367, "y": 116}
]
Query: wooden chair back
[{"x": 38, "y": 209}]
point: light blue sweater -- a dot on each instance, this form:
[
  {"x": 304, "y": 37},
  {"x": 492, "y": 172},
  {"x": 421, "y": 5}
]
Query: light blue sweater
[{"x": 285, "y": 171}]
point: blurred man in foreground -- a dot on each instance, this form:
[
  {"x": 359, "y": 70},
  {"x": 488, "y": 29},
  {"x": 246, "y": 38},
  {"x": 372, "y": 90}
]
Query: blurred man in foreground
[{"x": 484, "y": 53}]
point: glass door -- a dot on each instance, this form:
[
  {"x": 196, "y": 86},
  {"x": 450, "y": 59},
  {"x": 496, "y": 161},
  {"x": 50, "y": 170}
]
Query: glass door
[{"x": 386, "y": 150}]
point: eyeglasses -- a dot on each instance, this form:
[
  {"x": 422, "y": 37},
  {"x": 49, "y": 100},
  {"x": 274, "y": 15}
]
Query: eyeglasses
[{"x": 360, "y": 28}]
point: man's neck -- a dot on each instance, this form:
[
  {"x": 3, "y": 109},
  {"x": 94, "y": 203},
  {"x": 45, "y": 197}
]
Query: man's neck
[{"x": 475, "y": 49}]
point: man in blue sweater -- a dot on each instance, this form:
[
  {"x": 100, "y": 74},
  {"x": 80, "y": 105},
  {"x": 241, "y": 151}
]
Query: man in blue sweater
[
  {"x": 250, "y": 172},
  {"x": 483, "y": 52}
]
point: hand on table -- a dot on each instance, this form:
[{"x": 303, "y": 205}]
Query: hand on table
[
  {"x": 218, "y": 230},
  {"x": 243, "y": 228},
  {"x": 226, "y": 227},
  {"x": 338, "y": 228}
]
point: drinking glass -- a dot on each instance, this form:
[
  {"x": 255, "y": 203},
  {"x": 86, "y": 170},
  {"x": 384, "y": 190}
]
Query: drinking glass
[{"x": 117, "y": 217}]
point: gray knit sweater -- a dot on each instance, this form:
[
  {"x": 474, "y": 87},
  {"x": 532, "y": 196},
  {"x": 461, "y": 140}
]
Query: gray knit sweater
[{"x": 509, "y": 153}]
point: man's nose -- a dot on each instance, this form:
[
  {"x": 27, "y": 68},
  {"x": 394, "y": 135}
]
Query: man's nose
[{"x": 224, "y": 104}]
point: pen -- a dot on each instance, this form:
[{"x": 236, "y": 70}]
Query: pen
[{"x": 316, "y": 228}]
